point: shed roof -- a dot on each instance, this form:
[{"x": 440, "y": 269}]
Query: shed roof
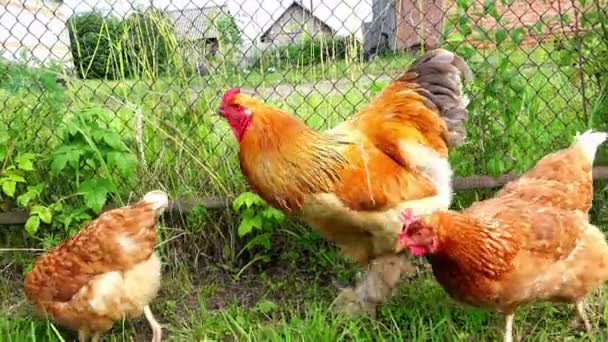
[{"x": 286, "y": 13}]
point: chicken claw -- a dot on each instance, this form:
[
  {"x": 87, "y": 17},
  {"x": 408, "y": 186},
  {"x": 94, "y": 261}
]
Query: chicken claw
[
  {"x": 378, "y": 285},
  {"x": 509, "y": 328},
  {"x": 580, "y": 308},
  {"x": 156, "y": 328}
]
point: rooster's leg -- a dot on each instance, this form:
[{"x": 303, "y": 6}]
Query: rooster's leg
[
  {"x": 83, "y": 335},
  {"x": 580, "y": 308},
  {"x": 509, "y": 328},
  {"x": 96, "y": 337},
  {"x": 378, "y": 285},
  {"x": 156, "y": 328}
]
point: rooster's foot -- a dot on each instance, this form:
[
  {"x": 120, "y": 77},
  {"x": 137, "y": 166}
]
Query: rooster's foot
[{"x": 349, "y": 303}]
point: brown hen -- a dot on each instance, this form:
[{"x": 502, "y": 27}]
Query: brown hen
[
  {"x": 106, "y": 272},
  {"x": 531, "y": 242}
]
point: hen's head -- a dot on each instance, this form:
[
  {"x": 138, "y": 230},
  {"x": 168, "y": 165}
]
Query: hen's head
[
  {"x": 158, "y": 199},
  {"x": 418, "y": 236}
]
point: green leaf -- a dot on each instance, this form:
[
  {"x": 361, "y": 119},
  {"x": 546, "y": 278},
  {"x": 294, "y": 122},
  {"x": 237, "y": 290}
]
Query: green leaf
[
  {"x": 95, "y": 192},
  {"x": 4, "y": 137},
  {"x": 25, "y": 161},
  {"x": 9, "y": 187},
  {"x": 500, "y": 36},
  {"x": 538, "y": 27},
  {"x": 64, "y": 155},
  {"x": 32, "y": 224},
  {"x": 455, "y": 38},
  {"x": 32, "y": 192},
  {"x": 249, "y": 221},
  {"x": 262, "y": 240},
  {"x": 272, "y": 214},
  {"x": 12, "y": 176},
  {"x": 518, "y": 35},
  {"x": 464, "y": 4},
  {"x": 3, "y": 151},
  {"x": 124, "y": 163},
  {"x": 248, "y": 199},
  {"x": 489, "y": 7},
  {"x": 43, "y": 212},
  {"x": 113, "y": 140},
  {"x": 265, "y": 306},
  {"x": 28, "y": 267}
]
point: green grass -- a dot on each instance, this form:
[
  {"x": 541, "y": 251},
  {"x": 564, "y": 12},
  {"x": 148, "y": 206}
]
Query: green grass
[{"x": 270, "y": 307}]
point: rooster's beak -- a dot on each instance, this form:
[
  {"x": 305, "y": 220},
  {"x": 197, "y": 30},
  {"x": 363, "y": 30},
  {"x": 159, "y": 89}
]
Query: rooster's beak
[{"x": 398, "y": 247}]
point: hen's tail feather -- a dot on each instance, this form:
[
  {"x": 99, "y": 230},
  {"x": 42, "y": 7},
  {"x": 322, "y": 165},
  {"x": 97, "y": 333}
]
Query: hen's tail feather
[
  {"x": 439, "y": 76},
  {"x": 589, "y": 142},
  {"x": 158, "y": 199}
]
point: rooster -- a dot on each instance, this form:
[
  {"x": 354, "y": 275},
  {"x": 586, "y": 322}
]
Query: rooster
[
  {"x": 531, "y": 242},
  {"x": 105, "y": 272},
  {"x": 350, "y": 182}
]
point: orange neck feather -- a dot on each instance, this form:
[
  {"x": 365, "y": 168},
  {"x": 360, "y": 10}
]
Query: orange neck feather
[
  {"x": 476, "y": 245},
  {"x": 284, "y": 160}
]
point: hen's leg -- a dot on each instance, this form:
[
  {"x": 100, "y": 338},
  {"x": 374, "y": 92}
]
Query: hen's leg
[
  {"x": 156, "y": 328},
  {"x": 580, "y": 308},
  {"x": 509, "y": 328}
]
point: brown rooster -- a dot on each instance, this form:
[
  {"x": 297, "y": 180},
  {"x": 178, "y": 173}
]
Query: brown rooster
[
  {"x": 531, "y": 242},
  {"x": 350, "y": 183},
  {"x": 106, "y": 272}
]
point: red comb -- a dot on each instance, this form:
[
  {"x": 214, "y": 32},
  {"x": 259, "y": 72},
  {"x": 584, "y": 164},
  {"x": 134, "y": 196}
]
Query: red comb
[
  {"x": 407, "y": 217},
  {"x": 229, "y": 95}
]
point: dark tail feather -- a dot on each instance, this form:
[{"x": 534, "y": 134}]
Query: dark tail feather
[{"x": 439, "y": 75}]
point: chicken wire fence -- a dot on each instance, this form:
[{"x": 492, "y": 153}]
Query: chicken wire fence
[{"x": 106, "y": 99}]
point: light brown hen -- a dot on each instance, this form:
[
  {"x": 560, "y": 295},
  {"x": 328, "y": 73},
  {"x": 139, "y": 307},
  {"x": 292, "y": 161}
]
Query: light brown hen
[
  {"x": 106, "y": 272},
  {"x": 531, "y": 242}
]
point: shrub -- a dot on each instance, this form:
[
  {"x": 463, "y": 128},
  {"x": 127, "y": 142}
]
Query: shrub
[
  {"x": 92, "y": 36},
  {"x": 142, "y": 45},
  {"x": 309, "y": 51},
  {"x": 148, "y": 44}
]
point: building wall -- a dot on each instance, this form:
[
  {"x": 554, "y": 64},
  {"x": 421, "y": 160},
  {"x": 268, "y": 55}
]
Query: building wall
[
  {"x": 382, "y": 25},
  {"x": 34, "y": 29},
  {"x": 419, "y": 22},
  {"x": 291, "y": 27}
]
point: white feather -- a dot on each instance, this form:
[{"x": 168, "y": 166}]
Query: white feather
[
  {"x": 158, "y": 198},
  {"x": 589, "y": 142}
]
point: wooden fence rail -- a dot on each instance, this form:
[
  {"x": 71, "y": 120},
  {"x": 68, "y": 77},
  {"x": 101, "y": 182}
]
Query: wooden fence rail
[{"x": 185, "y": 204}]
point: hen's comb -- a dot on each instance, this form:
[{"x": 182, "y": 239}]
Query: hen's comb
[
  {"x": 407, "y": 217},
  {"x": 229, "y": 95}
]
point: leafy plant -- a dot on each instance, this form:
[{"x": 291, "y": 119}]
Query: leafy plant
[
  {"x": 93, "y": 154},
  {"x": 256, "y": 216},
  {"x": 587, "y": 48},
  {"x": 15, "y": 184}
]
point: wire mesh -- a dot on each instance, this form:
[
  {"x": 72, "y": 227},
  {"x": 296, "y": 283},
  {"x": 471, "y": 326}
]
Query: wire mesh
[{"x": 114, "y": 98}]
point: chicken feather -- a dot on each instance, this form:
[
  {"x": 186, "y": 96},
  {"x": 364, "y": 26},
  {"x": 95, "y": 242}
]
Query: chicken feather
[
  {"x": 532, "y": 241},
  {"x": 348, "y": 182},
  {"x": 105, "y": 272}
]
